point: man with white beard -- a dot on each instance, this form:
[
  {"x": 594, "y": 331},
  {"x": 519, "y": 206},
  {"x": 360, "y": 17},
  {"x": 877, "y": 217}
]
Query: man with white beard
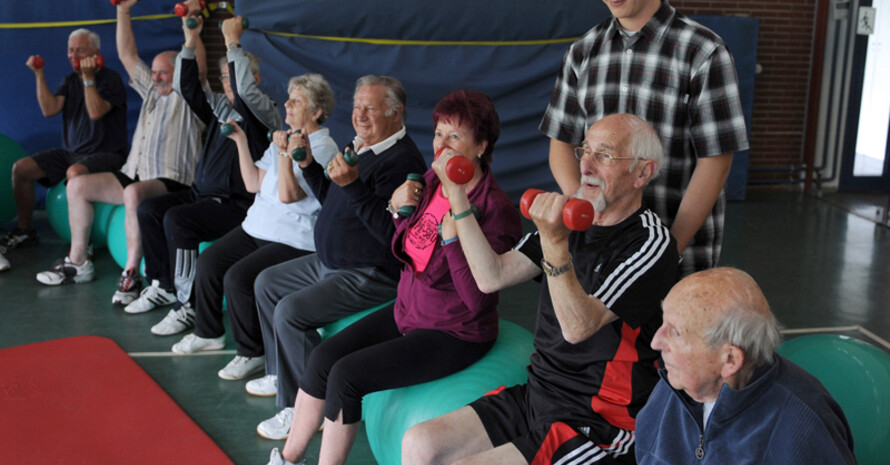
[{"x": 593, "y": 367}]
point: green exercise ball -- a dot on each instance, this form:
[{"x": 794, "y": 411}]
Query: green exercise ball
[
  {"x": 117, "y": 236},
  {"x": 857, "y": 375},
  {"x": 57, "y": 210},
  {"x": 10, "y": 152},
  {"x": 389, "y": 414},
  {"x": 337, "y": 326}
]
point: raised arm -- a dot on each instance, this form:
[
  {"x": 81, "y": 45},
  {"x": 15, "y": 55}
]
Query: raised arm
[
  {"x": 245, "y": 84},
  {"x": 580, "y": 315},
  {"x": 50, "y": 104},
  {"x": 127, "y": 51},
  {"x": 97, "y": 105},
  {"x": 252, "y": 176}
]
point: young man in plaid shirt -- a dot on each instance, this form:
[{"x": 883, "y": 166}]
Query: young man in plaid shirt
[{"x": 650, "y": 61}]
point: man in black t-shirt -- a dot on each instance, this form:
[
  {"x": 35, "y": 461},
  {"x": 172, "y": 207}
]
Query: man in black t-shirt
[
  {"x": 93, "y": 104},
  {"x": 593, "y": 368}
]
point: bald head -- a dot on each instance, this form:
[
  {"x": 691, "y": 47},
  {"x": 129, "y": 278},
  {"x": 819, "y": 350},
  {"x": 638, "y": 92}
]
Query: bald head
[{"x": 729, "y": 307}]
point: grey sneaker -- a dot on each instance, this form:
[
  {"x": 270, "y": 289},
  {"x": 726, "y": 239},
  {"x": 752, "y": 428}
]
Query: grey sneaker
[
  {"x": 275, "y": 458},
  {"x": 241, "y": 367},
  {"x": 4, "y": 263},
  {"x": 267, "y": 386},
  {"x": 151, "y": 298},
  {"x": 65, "y": 272},
  {"x": 18, "y": 238},
  {"x": 277, "y": 427},
  {"x": 192, "y": 343},
  {"x": 180, "y": 318}
]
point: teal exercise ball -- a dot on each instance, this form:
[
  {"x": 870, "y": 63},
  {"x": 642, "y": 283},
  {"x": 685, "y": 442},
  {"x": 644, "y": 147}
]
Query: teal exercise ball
[
  {"x": 857, "y": 375},
  {"x": 117, "y": 236},
  {"x": 57, "y": 210},
  {"x": 389, "y": 414},
  {"x": 337, "y": 326},
  {"x": 10, "y": 152},
  {"x": 101, "y": 220}
]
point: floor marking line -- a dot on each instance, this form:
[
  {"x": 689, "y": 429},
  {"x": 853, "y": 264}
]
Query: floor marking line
[{"x": 171, "y": 354}]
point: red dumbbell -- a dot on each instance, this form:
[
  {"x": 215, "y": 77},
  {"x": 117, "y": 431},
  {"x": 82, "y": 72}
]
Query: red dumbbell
[
  {"x": 100, "y": 63},
  {"x": 459, "y": 169},
  {"x": 577, "y": 215},
  {"x": 181, "y": 9},
  {"x": 37, "y": 62}
]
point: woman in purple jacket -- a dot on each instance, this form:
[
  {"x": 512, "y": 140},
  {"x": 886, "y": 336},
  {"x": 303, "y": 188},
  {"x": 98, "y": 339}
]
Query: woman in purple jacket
[{"x": 441, "y": 322}]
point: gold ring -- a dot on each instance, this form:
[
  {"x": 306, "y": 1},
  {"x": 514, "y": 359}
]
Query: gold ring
[
  {"x": 416, "y": 190},
  {"x": 330, "y": 166}
]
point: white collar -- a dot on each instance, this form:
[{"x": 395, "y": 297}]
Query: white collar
[{"x": 381, "y": 146}]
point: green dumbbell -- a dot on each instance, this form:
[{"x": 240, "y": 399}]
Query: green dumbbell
[
  {"x": 226, "y": 129},
  {"x": 408, "y": 210},
  {"x": 349, "y": 156},
  {"x": 191, "y": 22}
]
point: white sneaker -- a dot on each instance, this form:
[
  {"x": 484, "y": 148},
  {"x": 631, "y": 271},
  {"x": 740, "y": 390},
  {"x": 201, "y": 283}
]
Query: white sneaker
[
  {"x": 241, "y": 367},
  {"x": 128, "y": 288},
  {"x": 151, "y": 298},
  {"x": 275, "y": 458},
  {"x": 65, "y": 272},
  {"x": 192, "y": 343},
  {"x": 181, "y": 318},
  {"x": 277, "y": 427},
  {"x": 4, "y": 263},
  {"x": 267, "y": 386}
]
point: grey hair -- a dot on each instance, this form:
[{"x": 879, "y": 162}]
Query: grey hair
[
  {"x": 253, "y": 63},
  {"x": 757, "y": 334},
  {"x": 317, "y": 90},
  {"x": 644, "y": 144},
  {"x": 396, "y": 97},
  {"x": 93, "y": 37}
]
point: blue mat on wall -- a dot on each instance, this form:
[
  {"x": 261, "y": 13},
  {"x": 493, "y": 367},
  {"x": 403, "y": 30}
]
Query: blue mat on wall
[{"x": 510, "y": 50}]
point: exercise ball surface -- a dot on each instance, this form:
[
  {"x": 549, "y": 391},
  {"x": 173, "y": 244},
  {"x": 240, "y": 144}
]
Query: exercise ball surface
[
  {"x": 857, "y": 375},
  {"x": 117, "y": 236},
  {"x": 389, "y": 414},
  {"x": 10, "y": 152},
  {"x": 57, "y": 210}
]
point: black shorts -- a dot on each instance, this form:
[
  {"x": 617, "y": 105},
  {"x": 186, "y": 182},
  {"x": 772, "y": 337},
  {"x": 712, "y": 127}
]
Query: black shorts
[
  {"x": 55, "y": 162},
  {"x": 508, "y": 418},
  {"x": 169, "y": 184}
]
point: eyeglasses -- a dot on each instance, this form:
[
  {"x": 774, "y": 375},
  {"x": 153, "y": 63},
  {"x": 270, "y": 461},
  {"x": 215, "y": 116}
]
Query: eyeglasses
[
  {"x": 223, "y": 78},
  {"x": 600, "y": 158}
]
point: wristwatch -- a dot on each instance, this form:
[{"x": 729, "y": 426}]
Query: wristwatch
[
  {"x": 233, "y": 46},
  {"x": 89, "y": 83},
  {"x": 552, "y": 271}
]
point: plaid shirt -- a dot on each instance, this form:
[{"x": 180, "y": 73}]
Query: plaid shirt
[{"x": 678, "y": 76}]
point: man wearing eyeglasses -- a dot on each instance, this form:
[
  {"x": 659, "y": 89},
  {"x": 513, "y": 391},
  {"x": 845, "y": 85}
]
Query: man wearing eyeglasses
[
  {"x": 174, "y": 225},
  {"x": 593, "y": 368},
  {"x": 651, "y": 61}
]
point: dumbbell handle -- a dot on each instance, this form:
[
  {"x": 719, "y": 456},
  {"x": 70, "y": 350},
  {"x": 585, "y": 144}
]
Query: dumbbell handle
[
  {"x": 349, "y": 156},
  {"x": 408, "y": 210},
  {"x": 577, "y": 214},
  {"x": 226, "y": 129},
  {"x": 245, "y": 23},
  {"x": 100, "y": 63}
]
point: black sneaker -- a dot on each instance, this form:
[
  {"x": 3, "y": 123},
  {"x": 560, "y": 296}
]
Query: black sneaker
[
  {"x": 18, "y": 238},
  {"x": 128, "y": 288}
]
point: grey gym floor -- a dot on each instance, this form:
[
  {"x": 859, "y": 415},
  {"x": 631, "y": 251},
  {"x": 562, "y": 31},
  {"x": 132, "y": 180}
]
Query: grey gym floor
[{"x": 824, "y": 265}]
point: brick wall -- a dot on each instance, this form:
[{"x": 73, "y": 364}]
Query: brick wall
[
  {"x": 784, "y": 51},
  {"x": 215, "y": 45}
]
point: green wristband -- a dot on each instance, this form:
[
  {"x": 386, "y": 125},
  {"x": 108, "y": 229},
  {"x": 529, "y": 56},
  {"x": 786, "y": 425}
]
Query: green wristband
[{"x": 463, "y": 214}]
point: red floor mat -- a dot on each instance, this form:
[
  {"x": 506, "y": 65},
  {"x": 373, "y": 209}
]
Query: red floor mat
[{"x": 83, "y": 400}]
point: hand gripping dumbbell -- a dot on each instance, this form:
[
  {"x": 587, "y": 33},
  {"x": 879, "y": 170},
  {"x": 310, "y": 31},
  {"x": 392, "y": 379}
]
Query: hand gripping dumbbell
[
  {"x": 459, "y": 169},
  {"x": 299, "y": 153},
  {"x": 577, "y": 215},
  {"x": 408, "y": 210},
  {"x": 100, "y": 63},
  {"x": 181, "y": 9},
  {"x": 245, "y": 23},
  {"x": 349, "y": 156},
  {"x": 226, "y": 129},
  {"x": 37, "y": 62}
]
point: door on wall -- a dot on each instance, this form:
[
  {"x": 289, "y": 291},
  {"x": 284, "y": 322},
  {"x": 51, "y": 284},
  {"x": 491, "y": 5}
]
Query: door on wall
[{"x": 866, "y": 162}]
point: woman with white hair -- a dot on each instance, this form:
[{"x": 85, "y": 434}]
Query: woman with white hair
[{"x": 278, "y": 227}]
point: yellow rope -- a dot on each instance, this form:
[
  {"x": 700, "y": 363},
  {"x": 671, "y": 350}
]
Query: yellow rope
[
  {"x": 475, "y": 43},
  {"x": 468, "y": 43},
  {"x": 89, "y": 22}
]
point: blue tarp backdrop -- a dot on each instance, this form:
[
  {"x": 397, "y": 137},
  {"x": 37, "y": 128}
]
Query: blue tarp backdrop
[{"x": 509, "y": 50}]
